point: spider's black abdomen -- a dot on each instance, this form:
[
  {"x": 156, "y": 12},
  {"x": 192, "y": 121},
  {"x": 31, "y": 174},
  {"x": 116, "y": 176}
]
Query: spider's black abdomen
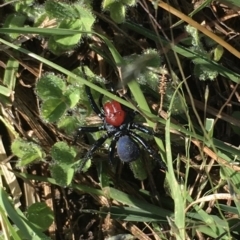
[{"x": 127, "y": 149}]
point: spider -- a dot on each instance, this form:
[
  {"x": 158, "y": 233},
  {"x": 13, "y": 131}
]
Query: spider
[{"x": 119, "y": 126}]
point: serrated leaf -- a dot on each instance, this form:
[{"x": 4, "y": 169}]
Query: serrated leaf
[
  {"x": 63, "y": 174},
  {"x": 53, "y": 109},
  {"x": 26, "y": 151},
  {"x": 40, "y": 215},
  {"x": 63, "y": 154},
  {"x": 50, "y": 86}
]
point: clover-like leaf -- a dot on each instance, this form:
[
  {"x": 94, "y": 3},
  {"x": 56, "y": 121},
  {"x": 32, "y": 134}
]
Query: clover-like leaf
[
  {"x": 62, "y": 153},
  {"x": 70, "y": 124},
  {"x": 72, "y": 95},
  {"x": 50, "y": 86},
  {"x": 62, "y": 173},
  {"x": 40, "y": 215},
  {"x": 27, "y": 152},
  {"x": 53, "y": 109}
]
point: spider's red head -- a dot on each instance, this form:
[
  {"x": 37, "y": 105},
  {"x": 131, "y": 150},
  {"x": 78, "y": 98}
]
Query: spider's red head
[{"x": 114, "y": 114}]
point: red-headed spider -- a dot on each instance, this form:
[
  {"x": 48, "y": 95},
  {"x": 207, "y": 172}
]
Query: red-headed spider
[{"x": 119, "y": 126}]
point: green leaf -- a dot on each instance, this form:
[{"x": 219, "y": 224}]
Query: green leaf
[
  {"x": 63, "y": 154},
  {"x": 59, "y": 10},
  {"x": 14, "y": 20},
  {"x": 69, "y": 123},
  {"x": 27, "y": 152},
  {"x": 117, "y": 12},
  {"x": 53, "y": 109},
  {"x": 72, "y": 95},
  {"x": 138, "y": 169},
  {"x": 40, "y": 215},
  {"x": 62, "y": 173},
  {"x": 50, "y": 86},
  {"x": 107, "y": 4},
  {"x": 91, "y": 77},
  {"x": 86, "y": 166},
  {"x": 71, "y": 40},
  {"x": 72, "y": 17},
  {"x": 23, "y": 6},
  {"x": 87, "y": 18}
]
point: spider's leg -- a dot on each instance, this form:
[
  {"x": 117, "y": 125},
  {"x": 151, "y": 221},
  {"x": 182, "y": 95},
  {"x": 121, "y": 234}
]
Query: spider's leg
[
  {"x": 113, "y": 146},
  {"x": 86, "y": 129},
  {"x": 100, "y": 102},
  {"x": 148, "y": 148},
  {"x": 142, "y": 128},
  {"x": 93, "y": 104},
  {"x": 112, "y": 150},
  {"x": 91, "y": 151}
]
